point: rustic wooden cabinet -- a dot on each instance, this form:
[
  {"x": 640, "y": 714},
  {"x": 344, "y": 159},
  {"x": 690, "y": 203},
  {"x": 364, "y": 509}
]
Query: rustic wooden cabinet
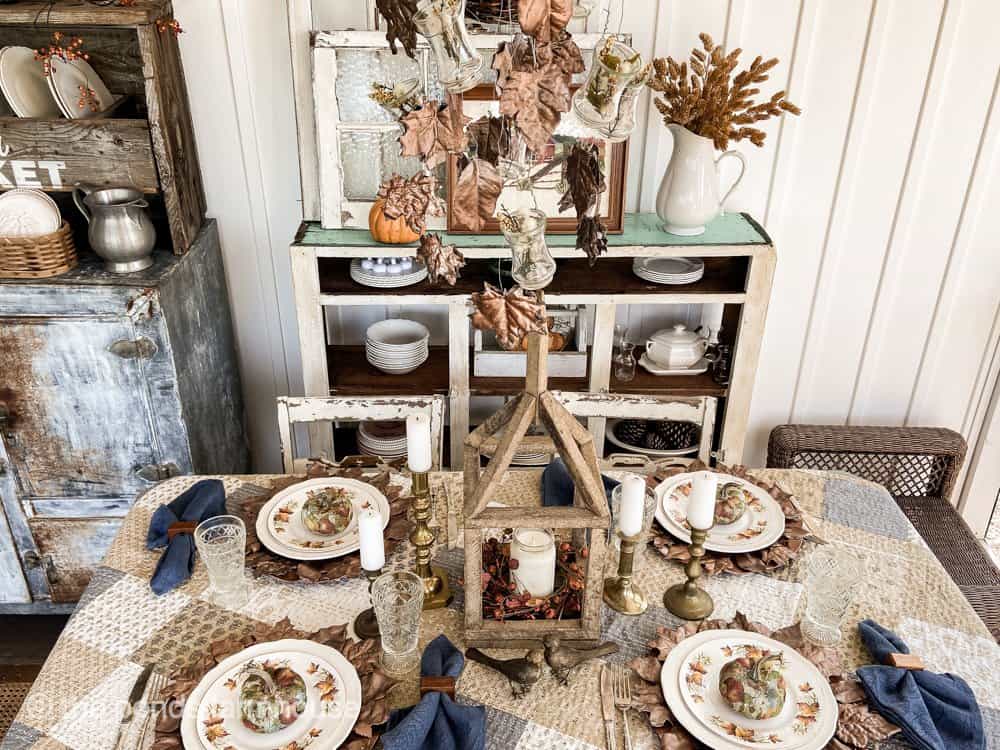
[{"x": 108, "y": 384}]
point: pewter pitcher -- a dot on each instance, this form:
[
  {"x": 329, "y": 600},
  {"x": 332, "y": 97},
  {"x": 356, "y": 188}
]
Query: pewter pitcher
[{"x": 120, "y": 231}]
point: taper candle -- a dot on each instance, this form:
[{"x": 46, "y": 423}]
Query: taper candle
[
  {"x": 701, "y": 503},
  {"x": 418, "y": 442},
  {"x": 372, "y": 541},
  {"x": 630, "y": 514}
]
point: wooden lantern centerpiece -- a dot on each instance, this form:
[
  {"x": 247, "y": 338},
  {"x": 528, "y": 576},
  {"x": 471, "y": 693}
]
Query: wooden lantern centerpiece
[{"x": 587, "y": 517}]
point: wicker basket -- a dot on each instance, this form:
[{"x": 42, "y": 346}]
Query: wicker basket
[{"x": 38, "y": 257}]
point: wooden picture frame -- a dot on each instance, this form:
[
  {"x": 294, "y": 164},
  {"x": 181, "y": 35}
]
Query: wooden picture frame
[{"x": 616, "y": 166}]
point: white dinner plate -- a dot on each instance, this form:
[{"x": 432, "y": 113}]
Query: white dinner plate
[
  {"x": 333, "y": 700},
  {"x": 24, "y": 85},
  {"x": 281, "y": 530},
  {"x": 651, "y": 367},
  {"x": 65, "y": 82},
  {"x": 28, "y": 213},
  {"x": 760, "y": 526},
  {"x": 690, "y": 677}
]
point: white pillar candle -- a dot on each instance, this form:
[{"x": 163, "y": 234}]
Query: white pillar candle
[
  {"x": 701, "y": 503},
  {"x": 535, "y": 552},
  {"x": 633, "y": 505},
  {"x": 418, "y": 442},
  {"x": 372, "y": 542}
]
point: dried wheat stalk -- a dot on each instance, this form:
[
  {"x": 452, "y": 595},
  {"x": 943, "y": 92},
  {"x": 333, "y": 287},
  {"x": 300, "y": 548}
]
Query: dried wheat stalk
[{"x": 710, "y": 101}]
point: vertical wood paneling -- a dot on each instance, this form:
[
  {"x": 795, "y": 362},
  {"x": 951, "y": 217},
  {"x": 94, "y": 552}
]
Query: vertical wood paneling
[
  {"x": 887, "y": 104},
  {"x": 879, "y": 197}
]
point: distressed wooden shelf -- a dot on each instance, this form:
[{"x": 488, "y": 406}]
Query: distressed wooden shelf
[{"x": 78, "y": 12}]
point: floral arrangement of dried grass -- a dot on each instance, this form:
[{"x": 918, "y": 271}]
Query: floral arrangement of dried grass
[
  {"x": 710, "y": 101},
  {"x": 501, "y": 600}
]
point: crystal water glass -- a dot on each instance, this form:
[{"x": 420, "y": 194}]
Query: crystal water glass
[
  {"x": 398, "y": 600},
  {"x": 221, "y": 542},
  {"x": 625, "y": 363},
  {"x": 832, "y": 579}
]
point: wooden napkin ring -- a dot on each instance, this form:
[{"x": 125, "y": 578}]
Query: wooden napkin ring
[
  {"x": 906, "y": 661},
  {"x": 444, "y": 685},
  {"x": 181, "y": 527}
]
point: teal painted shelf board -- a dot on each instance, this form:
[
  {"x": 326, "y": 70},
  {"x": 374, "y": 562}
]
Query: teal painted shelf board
[{"x": 641, "y": 230}]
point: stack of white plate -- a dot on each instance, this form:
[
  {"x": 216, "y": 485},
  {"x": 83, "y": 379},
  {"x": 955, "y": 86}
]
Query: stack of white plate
[
  {"x": 669, "y": 270},
  {"x": 31, "y": 93},
  {"x": 397, "y": 346},
  {"x": 28, "y": 213},
  {"x": 385, "y": 439},
  {"x": 526, "y": 458},
  {"x": 387, "y": 273}
]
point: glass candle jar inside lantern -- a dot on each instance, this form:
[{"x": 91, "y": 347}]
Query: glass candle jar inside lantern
[
  {"x": 533, "y": 264},
  {"x": 442, "y": 23},
  {"x": 535, "y": 552},
  {"x": 598, "y": 103}
]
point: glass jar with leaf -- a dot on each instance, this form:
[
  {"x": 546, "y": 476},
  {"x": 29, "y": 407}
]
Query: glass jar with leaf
[
  {"x": 524, "y": 230},
  {"x": 606, "y": 102},
  {"x": 705, "y": 104}
]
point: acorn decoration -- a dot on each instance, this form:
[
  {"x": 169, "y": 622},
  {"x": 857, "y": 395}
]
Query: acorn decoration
[{"x": 753, "y": 684}]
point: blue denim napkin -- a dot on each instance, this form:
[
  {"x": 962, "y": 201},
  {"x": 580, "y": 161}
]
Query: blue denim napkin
[
  {"x": 935, "y": 711},
  {"x": 203, "y": 500},
  {"x": 557, "y": 485},
  {"x": 437, "y": 722}
]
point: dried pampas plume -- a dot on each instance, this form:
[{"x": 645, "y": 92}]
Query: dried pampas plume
[{"x": 710, "y": 101}]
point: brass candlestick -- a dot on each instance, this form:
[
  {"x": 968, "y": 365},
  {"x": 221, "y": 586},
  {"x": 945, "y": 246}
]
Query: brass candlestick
[
  {"x": 437, "y": 593},
  {"x": 366, "y": 624},
  {"x": 686, "y": 600},
  {"x": 621, "y": 593}
]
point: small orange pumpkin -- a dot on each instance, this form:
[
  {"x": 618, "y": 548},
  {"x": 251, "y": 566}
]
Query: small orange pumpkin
[{"x": 389, "y": 231}]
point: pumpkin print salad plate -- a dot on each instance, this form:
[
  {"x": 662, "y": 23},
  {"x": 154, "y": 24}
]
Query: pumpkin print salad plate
[
  {"x": 732, "y": 688},
  {"x": 317, "y": 519},
  {"x": 747, "y": 518},
  {"x": 284, "y": 695}
]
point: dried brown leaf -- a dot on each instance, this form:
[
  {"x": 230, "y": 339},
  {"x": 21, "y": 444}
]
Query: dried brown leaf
[
  {"x": 510, "y": 315},
  {"x": 443, "y": 261},
  {"x": 544, "y": 19},
  {"x": 398, "y": 15},
  {"x": 434, "y": 130},
  {"x": 861, "y": 727},
  {"x": 476, "y": 194},
  {"x": 591, "y": 237},
  {"x": 535, "y": 100}
]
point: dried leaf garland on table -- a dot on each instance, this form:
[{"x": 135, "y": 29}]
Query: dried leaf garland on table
[
  {"x": 434, "y": 129},
  {"x": 413, "y": 198},
  {"x": 857, "y": 726},
  {"x": 398, "y": 15},
  {"x": 501, "y": 600},
  {"x": 476, "y": 193},
  {"x": 769, "y": 560},
  {"x": 443, "y": 261},
  {"x": 711, "y": 102},
  {"x": 363, "y": 655},
  {"x": 544, "y": 19},
  {"x": 510, "y": 315},
  {"x": 262, "y": 562}
]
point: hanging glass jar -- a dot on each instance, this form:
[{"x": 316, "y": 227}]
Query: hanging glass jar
[
  {"x": 524, "y": 230},
  {"x": 599, "y": 102},
  {"x": 442, "y": 22},
  {"x": 622, "y": 127}
]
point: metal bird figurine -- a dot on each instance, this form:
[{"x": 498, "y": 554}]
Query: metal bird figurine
[
  {"x": 522, "y": 673},
  {"x": 563, "y": 659}
]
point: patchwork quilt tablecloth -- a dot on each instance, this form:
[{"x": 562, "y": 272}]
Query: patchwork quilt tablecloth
[{"x": 120, "y": 625}]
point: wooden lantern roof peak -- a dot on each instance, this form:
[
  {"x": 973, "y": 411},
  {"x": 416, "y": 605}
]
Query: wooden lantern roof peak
[{"x": 565, "y": 435}]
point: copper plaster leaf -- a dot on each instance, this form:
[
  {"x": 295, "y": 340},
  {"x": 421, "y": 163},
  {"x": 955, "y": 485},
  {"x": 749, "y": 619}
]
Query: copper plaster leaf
[
  {"x": 675, "y": 738},
  {"x": 443, "y": 261},
  {"x": 413, "y": 198},
  {"x": 591, "y": 237},
  {"x": 398, "y": 15},
  {"x": 827, "y": 660},
  {"x": 433, "y": 130},
  {"x": 565, "y": 53},
  {"x": 510, "y": 315},
  {"x": 861, "y": 727},
  {"x": 536, "y": 99},
  {"x": 667, "y": 638},
  {"x": 584, "y": 179},
  {"x": 543, "y": 19},
  {"x": 476, "y": 194},
  {"x": 847, "y": 689},
  {"x": 491, "y": 138}
]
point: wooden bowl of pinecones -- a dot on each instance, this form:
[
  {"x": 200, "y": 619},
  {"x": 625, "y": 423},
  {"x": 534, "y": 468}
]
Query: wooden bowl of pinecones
[{"x": 655, "y": 436}]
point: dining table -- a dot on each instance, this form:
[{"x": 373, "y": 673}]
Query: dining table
[{"x": 120, "y": 626}]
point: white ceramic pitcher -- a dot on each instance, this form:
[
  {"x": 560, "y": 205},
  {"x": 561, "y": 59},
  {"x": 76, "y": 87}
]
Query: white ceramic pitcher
[{"x": 689, "y": 194}]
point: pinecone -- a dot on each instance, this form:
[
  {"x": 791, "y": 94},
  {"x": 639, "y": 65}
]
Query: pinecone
[
  {"x": 631, "y": 431},
  {"x": 656, "y": 442}
]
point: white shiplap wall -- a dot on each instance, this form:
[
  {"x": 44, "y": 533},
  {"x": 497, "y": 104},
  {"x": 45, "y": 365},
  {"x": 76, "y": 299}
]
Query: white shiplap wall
[{"x": 882, "y": 198}]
